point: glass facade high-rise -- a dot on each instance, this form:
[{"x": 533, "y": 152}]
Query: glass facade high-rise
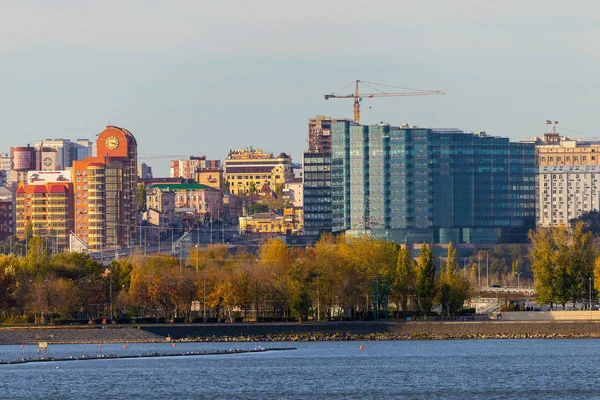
[
  {"x": 412, "y": 184},
  {"x": 316, "y": 193}
]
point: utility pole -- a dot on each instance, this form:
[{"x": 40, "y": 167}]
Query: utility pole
[
  {"x": 590, "y": 297},
  {"x": 479, "y": 268},
  {"x": 140, "y": 228},
  {"x": 487, "y": 268},
  {"x": 110, "y": 294},
  {"x": 318, "y": 297},
  {"x": 116, "y": 247}
]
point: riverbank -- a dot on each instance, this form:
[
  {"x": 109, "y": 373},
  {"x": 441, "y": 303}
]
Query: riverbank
[{"x": 310, "y": 331}]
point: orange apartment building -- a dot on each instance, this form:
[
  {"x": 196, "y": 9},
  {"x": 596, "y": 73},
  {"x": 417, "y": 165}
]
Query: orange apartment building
[
  {"x": 104, "y": 189},
  {"x": 98, "y": 204},
  {"x": 48, "y": 209}
]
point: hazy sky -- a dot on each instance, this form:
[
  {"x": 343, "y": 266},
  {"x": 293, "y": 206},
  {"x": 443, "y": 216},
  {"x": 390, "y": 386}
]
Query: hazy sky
[{"x": 199, "y": 77}]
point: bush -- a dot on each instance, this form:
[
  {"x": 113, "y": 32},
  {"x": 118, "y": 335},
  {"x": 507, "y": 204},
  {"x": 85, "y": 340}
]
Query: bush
[
  {"x": 146, "y": 320},
  {"x": 276, "y": 319},
  {"x": 123, "y": 320},
  {"x": 70, "y": 321}
]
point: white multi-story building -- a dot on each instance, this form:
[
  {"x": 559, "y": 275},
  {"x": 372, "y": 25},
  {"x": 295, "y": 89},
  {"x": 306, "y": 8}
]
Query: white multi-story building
[
  {"x": 566, "y": 192},
  {"x": 567, "y": 174},
  {"x": 5, "y": 169},
  {"x": 66, "y": 150},
  {"x": 186, "y": 169}
]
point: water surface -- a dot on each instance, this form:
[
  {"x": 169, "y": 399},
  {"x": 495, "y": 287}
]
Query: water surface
[{"x": 486, "y": 369}]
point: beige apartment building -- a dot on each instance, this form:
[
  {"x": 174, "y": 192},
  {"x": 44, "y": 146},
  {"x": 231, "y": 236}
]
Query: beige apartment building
[
  {"x": 566, "y": 178},
  {"x": 247, "y": 171}
]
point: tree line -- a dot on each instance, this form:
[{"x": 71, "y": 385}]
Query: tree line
[{"x": 338, "y": 277}]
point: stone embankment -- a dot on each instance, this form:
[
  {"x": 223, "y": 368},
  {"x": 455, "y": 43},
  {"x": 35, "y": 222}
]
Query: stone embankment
[
  {"x": 313, "y": 331},
  {"x": 429, "y": 331}
]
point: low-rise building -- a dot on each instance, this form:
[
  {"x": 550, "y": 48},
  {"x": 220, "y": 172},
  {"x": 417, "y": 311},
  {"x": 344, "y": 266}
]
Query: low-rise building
[
  {"x": 210, "y": 177},
  {"x": 262, "y": 223},
  {"x": 293, "y": 191},
  {"x": 246, "y": 171},
  {"x": 186, "y": 169},
  {"x": 163, "y": 202},
  {"x": 7, "y": 222},
  {"x": 205, "y": 200},
  {"x": 290, "y": 223}
]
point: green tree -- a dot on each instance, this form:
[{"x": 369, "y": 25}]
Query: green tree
[
  {"x": 425, "y": 279},
  {"x": 8, "y": 284},
  {"x": 404, "y": 278},
  {"x": 301, "y": 304},
  {"x": 141, "y": 197},
  {"x": 562, "y": 263},
  {"x": 255, "y": 208},
  {"x": 590, "y": 221}
]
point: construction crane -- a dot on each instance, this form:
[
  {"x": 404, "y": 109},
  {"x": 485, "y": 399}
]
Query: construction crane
[
  {"x": 357, "y": 96},
  {"x": 153, "y": 156}
]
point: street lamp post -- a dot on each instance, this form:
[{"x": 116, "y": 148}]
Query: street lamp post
[
  {"x": 518, "y": 279},
  {"x": 590, "y": 297},
  {"x": 204, "y": 293},
  {"x": 377, "y": 297}
]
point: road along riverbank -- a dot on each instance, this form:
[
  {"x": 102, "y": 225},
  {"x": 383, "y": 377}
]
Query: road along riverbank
[{"x": 308, "y": 331}]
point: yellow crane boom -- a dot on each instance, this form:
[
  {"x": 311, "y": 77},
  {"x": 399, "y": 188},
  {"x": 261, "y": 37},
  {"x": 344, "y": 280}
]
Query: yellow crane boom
[{"x": 357, "y": 96}]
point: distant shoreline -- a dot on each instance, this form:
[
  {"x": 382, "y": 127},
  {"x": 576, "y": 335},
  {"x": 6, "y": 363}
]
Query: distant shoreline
[{"x": 308, "y": 331}]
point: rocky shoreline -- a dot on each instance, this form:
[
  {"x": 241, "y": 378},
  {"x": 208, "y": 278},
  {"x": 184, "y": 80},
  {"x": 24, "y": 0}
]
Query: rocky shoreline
[
  {"x": 375, "y": 337},
  {"x": 293, "y": 332}
]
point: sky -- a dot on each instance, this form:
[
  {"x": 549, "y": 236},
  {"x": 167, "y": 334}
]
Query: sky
[{"x": 202, "y": 77}]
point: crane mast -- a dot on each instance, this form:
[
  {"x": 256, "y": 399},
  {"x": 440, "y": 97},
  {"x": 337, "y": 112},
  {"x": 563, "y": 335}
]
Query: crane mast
[{"x": 357, "y": 96}]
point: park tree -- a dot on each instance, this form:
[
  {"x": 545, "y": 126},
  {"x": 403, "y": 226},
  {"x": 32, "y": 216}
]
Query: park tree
[
  {"x": 141, "y": 197},
  {"x": 186, "y": 291},
  {"x": 328, "y": 261},
  {"x": 404, "y": 279},
  {"x": 75, "y": 266},
  {"x": 562, "y": 263},
  {"x": 425, "y": 279},
  {"x": 49, "y": 296},
  {"x": 582, "y": 254},
  {"x": 300, "y": 304},
  {"x": 8, "y": 287},
  {"x": 454, "y": 287},
  {"x": 590, "y": 222},
  {"x": 275, "y": 261}
]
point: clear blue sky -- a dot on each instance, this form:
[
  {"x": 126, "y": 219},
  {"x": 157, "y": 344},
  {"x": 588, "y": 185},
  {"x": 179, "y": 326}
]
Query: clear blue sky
[{"x": 199, "y": 77}]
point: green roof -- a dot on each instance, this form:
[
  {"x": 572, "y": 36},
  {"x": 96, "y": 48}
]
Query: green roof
[{"x": 181, "y": 186}]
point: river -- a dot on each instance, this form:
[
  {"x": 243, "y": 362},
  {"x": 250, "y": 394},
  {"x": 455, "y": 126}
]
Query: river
[{"x": 445, "y": 369}]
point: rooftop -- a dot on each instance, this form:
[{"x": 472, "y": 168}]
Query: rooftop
[{"x": 181, "y": 186}]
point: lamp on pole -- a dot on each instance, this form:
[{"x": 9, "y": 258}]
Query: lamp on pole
[
  {"x": 590, "y": 278},
  {"x": 518, "y": 274}
]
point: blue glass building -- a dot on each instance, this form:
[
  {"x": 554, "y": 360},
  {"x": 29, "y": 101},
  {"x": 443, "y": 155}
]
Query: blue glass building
[
  {"x": 317, "y": 193},
  {"x": 412, "y": 184}
]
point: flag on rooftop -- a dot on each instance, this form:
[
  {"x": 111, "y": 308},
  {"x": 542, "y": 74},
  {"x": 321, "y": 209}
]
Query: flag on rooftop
[{"x": 548, "y": 122}]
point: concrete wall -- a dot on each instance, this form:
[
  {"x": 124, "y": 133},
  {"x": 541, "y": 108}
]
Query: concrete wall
[{"x": 550, "y": 316}]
